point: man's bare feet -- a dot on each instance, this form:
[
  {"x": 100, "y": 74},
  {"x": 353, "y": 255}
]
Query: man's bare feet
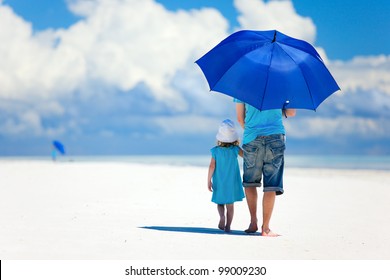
[
  {"x": 227, "y": 229},
  {"x": 268, "y": 233},
  {"x": 252, "y": 228},
  {"x": 221, "y": 224}
]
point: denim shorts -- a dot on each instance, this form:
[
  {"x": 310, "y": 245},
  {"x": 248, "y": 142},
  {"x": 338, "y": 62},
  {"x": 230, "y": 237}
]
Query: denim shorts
[{"x": 264, "y": 157}]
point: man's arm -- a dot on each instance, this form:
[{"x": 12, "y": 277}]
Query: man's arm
[
  {"x": 240, "y": 110},
  {"x": 289, "y": 112}
]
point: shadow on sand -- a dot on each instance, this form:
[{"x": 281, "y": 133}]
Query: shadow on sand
[{"x": 200, "y": 230}]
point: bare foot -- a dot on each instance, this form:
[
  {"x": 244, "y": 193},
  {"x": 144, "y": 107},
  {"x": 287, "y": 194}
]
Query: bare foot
[
  {"x": 221, "y": 224},
  {"x": 252, "y": 228},
  {"x": 227, "y": 229},
  {"x": 269, "y": 233}
]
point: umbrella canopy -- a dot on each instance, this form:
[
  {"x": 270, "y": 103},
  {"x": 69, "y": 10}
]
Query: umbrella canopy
[
  {"x": 59, "y": 146},
  {"x": 268, "y": 70}
]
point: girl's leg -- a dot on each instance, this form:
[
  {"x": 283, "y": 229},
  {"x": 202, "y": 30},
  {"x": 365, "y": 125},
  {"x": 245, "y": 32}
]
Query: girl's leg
[
  {"x": 229, "y": 216},
  {"x": 221, "y": 212}
]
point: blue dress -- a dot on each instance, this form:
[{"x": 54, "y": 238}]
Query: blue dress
[{"x": 227, "y": 183}]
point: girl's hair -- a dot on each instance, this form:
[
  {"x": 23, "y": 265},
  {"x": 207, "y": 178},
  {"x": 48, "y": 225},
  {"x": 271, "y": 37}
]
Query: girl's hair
[{"x": 226, "y": 145}]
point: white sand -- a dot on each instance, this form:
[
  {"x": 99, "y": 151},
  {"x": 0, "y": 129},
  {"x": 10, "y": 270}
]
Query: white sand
[{"x": 70, "y": 210}]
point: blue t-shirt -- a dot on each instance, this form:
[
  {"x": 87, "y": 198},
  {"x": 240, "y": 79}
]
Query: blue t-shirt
[{"x": 261, "y": 123}]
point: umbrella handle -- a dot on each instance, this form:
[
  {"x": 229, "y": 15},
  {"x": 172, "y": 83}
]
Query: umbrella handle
[{"x": 284, "y": 107}]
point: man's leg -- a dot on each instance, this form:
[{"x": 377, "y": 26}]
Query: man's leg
[
  {"x": 254, "y": 153},
  {"x": 273, "y": 179},
  {"x": 268, "y": 207},
  {"x": 251, "y": 198}
]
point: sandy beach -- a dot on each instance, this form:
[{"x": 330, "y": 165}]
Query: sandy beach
[{"x": 118, "y": 211}]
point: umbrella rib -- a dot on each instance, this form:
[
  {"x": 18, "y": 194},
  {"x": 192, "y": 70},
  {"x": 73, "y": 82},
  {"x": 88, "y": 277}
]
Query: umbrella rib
[
  {"x": 266, "y": 81},
  {"x": 303, "y": 74},
  {"x": 217, "y": 81}
]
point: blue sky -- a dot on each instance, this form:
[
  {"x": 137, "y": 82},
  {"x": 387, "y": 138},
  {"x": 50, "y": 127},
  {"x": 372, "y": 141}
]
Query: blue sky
[{"x": 117, "y": 76}]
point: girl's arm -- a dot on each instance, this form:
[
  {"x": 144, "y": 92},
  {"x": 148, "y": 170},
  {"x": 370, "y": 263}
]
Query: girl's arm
[{"x": 210, "y": 175}]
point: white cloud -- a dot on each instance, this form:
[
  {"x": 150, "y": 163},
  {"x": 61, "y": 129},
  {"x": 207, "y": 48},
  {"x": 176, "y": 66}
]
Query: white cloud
[
  {"x": 280, "y": 15},
  {"x": 119, "y": 43},
  {"x": 365, "y": 73},
  {"x": 82, "y": 7},
  {"x": 28, "y": 122},
  {"x": 31, "y": 67},
  {"x": 337, "y": 128}
]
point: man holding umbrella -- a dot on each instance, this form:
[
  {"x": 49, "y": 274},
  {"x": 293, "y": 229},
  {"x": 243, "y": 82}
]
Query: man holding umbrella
[
  {"x": 263, "y": 145},
  {"x": 269, "y": 74}
]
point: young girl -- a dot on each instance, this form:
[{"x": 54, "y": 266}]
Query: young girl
[{"x": 224, "y": 178}]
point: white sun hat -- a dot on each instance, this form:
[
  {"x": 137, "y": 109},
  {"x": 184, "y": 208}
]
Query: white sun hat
[{"x": 227, "y": 132}]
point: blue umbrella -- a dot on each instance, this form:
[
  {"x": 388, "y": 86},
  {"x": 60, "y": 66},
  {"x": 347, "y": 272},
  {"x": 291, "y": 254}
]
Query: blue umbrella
[
  {"x": 59, "y": 146},
  {"x": 268, "y": 70}
]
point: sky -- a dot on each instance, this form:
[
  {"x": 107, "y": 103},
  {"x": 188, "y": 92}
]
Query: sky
[{"x": 117, "y": 77}]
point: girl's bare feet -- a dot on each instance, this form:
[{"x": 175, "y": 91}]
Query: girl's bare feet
[{"x": 221, "y": 224}]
